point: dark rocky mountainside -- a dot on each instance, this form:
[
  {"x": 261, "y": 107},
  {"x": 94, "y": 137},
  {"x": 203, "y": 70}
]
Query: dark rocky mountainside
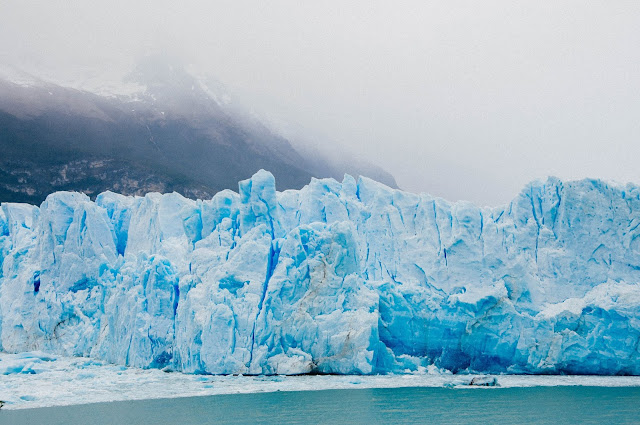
[{"x": 174, "y": 136}]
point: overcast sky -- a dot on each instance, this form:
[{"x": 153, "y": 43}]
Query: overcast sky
[{"x": 464, "y": 100}]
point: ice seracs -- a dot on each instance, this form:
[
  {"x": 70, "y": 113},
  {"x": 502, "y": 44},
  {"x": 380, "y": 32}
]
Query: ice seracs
[{"x": 350, "y": 277}]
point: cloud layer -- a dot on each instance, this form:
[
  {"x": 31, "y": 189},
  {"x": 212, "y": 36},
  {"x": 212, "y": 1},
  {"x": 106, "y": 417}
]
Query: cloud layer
[{"x": 466, "y": 101}]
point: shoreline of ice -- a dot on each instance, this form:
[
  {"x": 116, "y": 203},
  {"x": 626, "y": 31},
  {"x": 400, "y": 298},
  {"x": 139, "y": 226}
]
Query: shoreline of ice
[{"x": 33, "y": 380}]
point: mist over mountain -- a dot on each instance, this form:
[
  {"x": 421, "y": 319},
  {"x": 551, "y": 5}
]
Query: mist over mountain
[{"x": 168, "y": 131}]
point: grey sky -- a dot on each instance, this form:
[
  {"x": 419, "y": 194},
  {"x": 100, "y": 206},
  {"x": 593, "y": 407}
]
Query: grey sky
[{"x": 465, "y": 100}]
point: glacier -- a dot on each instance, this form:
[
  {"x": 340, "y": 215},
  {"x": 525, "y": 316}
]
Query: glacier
[{"x": 346, "y": 277}]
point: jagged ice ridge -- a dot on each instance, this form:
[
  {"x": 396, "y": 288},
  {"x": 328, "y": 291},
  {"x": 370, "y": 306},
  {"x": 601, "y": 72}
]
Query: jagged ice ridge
[{"x": 350, "y": 277}]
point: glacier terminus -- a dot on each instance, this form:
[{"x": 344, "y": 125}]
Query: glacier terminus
[{"x": 346, "y": 277}]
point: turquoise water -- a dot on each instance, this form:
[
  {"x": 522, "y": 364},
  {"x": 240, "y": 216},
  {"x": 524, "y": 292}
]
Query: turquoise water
[{"x": 538, "y": 405}]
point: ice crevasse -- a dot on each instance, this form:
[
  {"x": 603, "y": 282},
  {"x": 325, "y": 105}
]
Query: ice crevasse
[{"x": 350, "y": 277}]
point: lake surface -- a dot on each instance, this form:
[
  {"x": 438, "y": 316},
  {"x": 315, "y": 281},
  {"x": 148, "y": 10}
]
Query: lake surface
[{"x": 535, "y": 405}]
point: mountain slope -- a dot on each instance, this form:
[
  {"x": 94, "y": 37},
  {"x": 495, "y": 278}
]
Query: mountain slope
[{"x": 174, "y": 135}]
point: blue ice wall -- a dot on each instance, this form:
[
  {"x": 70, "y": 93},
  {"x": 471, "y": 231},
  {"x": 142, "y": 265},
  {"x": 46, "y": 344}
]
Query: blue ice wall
[{"x": 350, "y": 277}]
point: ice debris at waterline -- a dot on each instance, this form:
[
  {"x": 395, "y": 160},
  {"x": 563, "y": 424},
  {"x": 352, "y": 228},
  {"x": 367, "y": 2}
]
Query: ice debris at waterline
[
  {"x": 347, "y": 278},
  {"x": 35, "y": 379}
]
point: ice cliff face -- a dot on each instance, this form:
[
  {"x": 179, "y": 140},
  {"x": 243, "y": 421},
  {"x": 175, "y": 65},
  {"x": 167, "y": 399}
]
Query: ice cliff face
[{"x": 348, "y": 277}]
